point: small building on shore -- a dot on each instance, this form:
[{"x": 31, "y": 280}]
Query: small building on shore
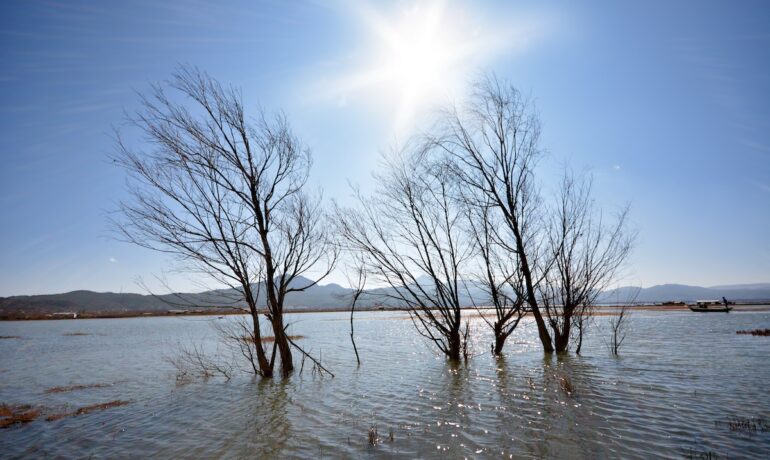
[{"x": 65, "y": 314}]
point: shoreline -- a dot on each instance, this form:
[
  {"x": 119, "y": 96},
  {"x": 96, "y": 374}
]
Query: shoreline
[{"x": 601, "y": 310}]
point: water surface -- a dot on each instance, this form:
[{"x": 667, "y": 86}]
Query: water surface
[{"x": 680, "y": 379}]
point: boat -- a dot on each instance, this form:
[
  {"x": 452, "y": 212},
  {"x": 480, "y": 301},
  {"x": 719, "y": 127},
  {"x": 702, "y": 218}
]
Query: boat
[{"x": 708, "y": 306}]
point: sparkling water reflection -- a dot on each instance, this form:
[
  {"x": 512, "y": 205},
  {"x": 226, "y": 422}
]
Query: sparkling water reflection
[{"x": 679, "y": 381}]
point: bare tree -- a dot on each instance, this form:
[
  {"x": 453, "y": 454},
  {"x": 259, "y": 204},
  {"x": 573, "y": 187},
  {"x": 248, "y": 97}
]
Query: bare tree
[
  {"x": 410, "y": 236},
  {"x": 357, "y": 282},
  {"x": 587, "y": 256},
  {"x": 583, "y": 318},
  {"x": 237, "y": 334},
  {"x": 497, "y": 276},
  {"x": 557, "y": 262},
  {"x": 492, "y": 146},
  {"x": 619, "y": 325},
  {"x": 224, "y": 193}
]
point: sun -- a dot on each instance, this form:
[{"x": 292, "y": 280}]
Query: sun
[{"x": 416, "y": 56}]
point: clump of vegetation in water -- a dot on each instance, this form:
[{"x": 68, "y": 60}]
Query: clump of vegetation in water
[
  {"x": 9, "y": 337},
  {"x": 20, "y": 414},
  {"x": 75, "y": 388},
  {"x": 762, "y": 332},
  {"x": 745, "y": 424},
  {"x": 373, "y": 437},
  {"x": 17, "y": 414},
  {"x": 270, "y": 338},
  {"x": 75, "y": 334},
  {"x": 87, "y": 410},
  {"x": 702, "y": 454}
]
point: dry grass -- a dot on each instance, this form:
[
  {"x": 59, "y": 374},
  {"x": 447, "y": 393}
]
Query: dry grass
[
  {"x": 75, "y": 388},
  {"x": 373, "y": 437},
  {"x": 270, "y": 338},
  {"x": 746, "y": 424},
  {"x": 17, "y": 415},
  {"x": 760, "y": 332},
  {"x": 87, "y": 410},
  {"x": 566, "y": 385}
]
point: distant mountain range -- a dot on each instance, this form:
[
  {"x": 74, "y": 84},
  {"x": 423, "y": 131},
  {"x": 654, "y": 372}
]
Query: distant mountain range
[
  {"x": 681, "y": 292},
  {"x": 321, "y": 297}
]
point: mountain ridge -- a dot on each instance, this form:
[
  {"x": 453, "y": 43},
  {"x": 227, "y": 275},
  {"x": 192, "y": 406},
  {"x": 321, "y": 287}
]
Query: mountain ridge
[{"x": 326, "y": 296}]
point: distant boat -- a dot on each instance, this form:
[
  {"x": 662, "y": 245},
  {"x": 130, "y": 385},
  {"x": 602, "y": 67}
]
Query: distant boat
[{"x": 707, "y": 306}]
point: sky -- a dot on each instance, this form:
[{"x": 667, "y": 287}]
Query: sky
[{"x": 666, "y": 104}]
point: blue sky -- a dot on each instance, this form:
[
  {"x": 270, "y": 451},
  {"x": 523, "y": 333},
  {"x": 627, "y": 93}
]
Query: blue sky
[{"x": 666, "y": 103}]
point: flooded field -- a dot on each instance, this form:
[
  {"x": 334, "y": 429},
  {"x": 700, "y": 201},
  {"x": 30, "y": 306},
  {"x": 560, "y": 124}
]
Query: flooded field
[{"x": 686, "y": 385}]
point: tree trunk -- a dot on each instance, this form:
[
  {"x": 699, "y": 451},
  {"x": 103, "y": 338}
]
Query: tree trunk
[
  {"x": 352, "y": 337},
  {"x": 284, "y": 349},
  {"x": 265, "y": 369},
  {"x": 561, "y": 338},
  {"x": 542, "y": 330},
  {"x": 499, "y": 340},
  {"x": 580, "y": 338},
  {"x": 455, "y": 344}
]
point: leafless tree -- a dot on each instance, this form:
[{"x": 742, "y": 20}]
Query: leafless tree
[
  {"x": 619, "y": 325},
  {"x": 555, "y": 262},
  {"x": 492, "y": 146},
  {"x": 588, "y": 254},
  {"x": 192, "y": 361},
  {"x": 224, "y": 193},
  {"x": 358, "y": 284},
  {"x": 409, "y": 234},
  {"x": 237, "y": 334},
  {"x": 497, "y": 276},
  {"x": 582, "y": 319}
]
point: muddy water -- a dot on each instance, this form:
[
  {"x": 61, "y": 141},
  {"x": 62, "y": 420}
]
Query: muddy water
[{"x": 681, "y": 379}]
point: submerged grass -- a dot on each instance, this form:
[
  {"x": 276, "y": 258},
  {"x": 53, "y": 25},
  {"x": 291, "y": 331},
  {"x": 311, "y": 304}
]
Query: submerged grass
[
  {"x": 373, "y": 437},
  {"x": 17, "y": 414},
  {"x": 87, "y": 410},
  {"x": 760, "y": 332},
  {"x": 75, "y": 388},
  {"x": 745, "y": 424},
  {"x": 270, "y": 338},
  {"x": 75, "y": 334},
  {"x": 9, "y": 337},
  {"x": 20, "y": 414}
]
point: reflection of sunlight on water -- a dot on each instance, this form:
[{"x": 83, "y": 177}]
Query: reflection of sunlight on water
[{"x": 664, "y": 395}]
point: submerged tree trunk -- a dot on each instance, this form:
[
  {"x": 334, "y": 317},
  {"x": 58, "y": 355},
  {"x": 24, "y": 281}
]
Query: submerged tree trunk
[
  {"x": 352, "y": 336},
  {"x": 455, "y": 345},
  {"x": 579, "y": 339},
  {"x": 265, "y": 369},
  {"x": 282, "y": 343},
  {"x": 499, "y": 340},
  {"x": 561, "y": 338}
]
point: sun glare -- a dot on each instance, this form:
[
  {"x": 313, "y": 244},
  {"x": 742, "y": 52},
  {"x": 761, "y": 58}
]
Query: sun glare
[{"x": 416, "y": 57}]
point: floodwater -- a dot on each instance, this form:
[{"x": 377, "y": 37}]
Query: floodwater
[{"x": 680, "y": 381}]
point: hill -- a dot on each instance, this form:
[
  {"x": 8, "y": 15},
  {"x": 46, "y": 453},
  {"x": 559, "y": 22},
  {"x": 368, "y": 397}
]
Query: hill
[{"x": 318, "y": 297}]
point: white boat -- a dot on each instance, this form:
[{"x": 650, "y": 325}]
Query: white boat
[{"x": 715, "y": 306}]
